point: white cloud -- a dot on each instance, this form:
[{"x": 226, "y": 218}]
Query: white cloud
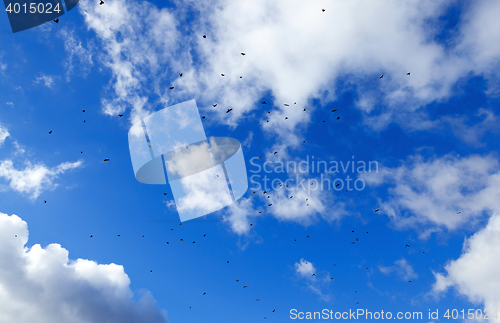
[
  {"x": 10, "y": 104},
  {"x": 4, "y": 133},
  {"x": 475, "y": 273},
  {"x": 47, "y": 80},
  {"x": 401, "y": 268},
  {"x": 33, "y": 179},
  {"x": 445, "y": 192},
  {"x": 294, "y": 51},
  {"x": 44, "y": 285},
  {"x": 77, "y": 54},
  {"x": 306, "y": 270},
  {"x": 472, "y": 134}
]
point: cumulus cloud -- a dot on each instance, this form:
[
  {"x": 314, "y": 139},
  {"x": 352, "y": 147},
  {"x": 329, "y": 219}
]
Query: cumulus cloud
[
  {"x": 4, "y": 133},
  {"x": 475, "y": 273},
  {"x": 444, "y": 192},
  {"x": 44, "y": 285},
  {"x": 33, "y": 179},
  {"x": 294, "y": 51},
  {"x": 401, "y": 268}
]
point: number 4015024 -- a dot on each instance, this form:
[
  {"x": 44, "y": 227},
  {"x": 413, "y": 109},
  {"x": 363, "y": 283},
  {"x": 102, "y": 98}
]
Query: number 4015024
[
  {"x": 471, "y": 314},
  {"x": 33, "y": 8}
]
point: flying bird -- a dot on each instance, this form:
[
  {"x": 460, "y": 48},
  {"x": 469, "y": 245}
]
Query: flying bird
[
  {"x": 227, "y": 262},
  {"x": 275, "y": 152},
  {"x": 101, "y": 2},
  {"x": 323, "y": 10},
  {"x": 286, "y": 105},
  {"x": 229, "y": 110},
  {"x": 338, "y": 118},
  {"x": 204, "y": 293},
  {"x": 45, "y": 201},
  {"x": 204, "y": 36},
  {"x": 83, "y": 111},
  {"x": 214, "y": 105},
  {"x": 120, "y": 115},
  {"x": 377, "y": 210},
  {"x": 381, "y": 76},
  {"x": 171, "y": 87},
  {"x": 50, "y": 132},
  {"x": 245, "y": 286},
  {"x": 118, "y": 235},
  {"x": 90, "y": 236},
  {"x": 408, "y": 73},
  {"x": 334, "y": 110},
  {"x": 56, "y": 20},
  {"x": 180, "y": 74},
  {"x": 222, "y": 74},
  {"x": 242, "y": 54},
  {"x": 106, "y": 159},
  {"x": 205, "y": 235},
  {"x": 264, "y": 102},
  {"x": 164, "y": 193},
  {"x": 274, "y": 310}
]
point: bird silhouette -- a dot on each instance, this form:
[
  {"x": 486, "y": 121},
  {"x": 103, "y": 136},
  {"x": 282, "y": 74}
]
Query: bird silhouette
[
  {"x": 45, "y": 201},
  {"x": 171, "y": 87},
  {"x": 101, "y": 2},
  {"x": 274, "y": 310},
  {"x": 214, "y": 105},
  {"x": 118, "y": 235},
  {"x": 408, "y": 73},
  {"x": 407, "y": 246},
  {"x": 227, "y": 262},
  {"x": 205, "y": 235},
  {"x": 204, "y": 36},
  {"x": 180, "y": 74},
  {"x": 275, "y": 152},
  {"x": 50, "y": 132},
  {"x": 56, "y": 20},
  {"x": 90, "y": 236},
  {"x": 106, "y": 159},
  {"x": 204, "y": 293},
  {"x": 264, "y": 102},
  {"x": 245, "y": 286},
  {"x": 338, "y": 118},
  {"x": 377, "y": 210},
  {"x": 237, "y": 280},
  {"x": 229, "y": 110},
  {"x": 334, "y": 110},
  {"x": 381, "y": 76},
  {"x": 222, "y": 75},
  {"x": 242, "y": 54},
  {"x": 83, "y": 110},
  {"x": 164, "y": 193},
  {"x": 286, "y": 105},
  {"x": 182, "y": 240},
  {"x": 323, "y": 10}
]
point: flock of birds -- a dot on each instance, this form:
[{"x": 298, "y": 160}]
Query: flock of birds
[{"x": 264, "y": 192}]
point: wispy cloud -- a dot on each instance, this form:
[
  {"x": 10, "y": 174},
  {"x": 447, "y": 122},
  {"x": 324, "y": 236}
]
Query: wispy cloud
[
  {"x": 445, "y": 192},
  {"x": 33, "y": 179},
  {"x": 401, "y": 268}
]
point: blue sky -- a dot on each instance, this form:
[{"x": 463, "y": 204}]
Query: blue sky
[{"x": 433, "y": 134}]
